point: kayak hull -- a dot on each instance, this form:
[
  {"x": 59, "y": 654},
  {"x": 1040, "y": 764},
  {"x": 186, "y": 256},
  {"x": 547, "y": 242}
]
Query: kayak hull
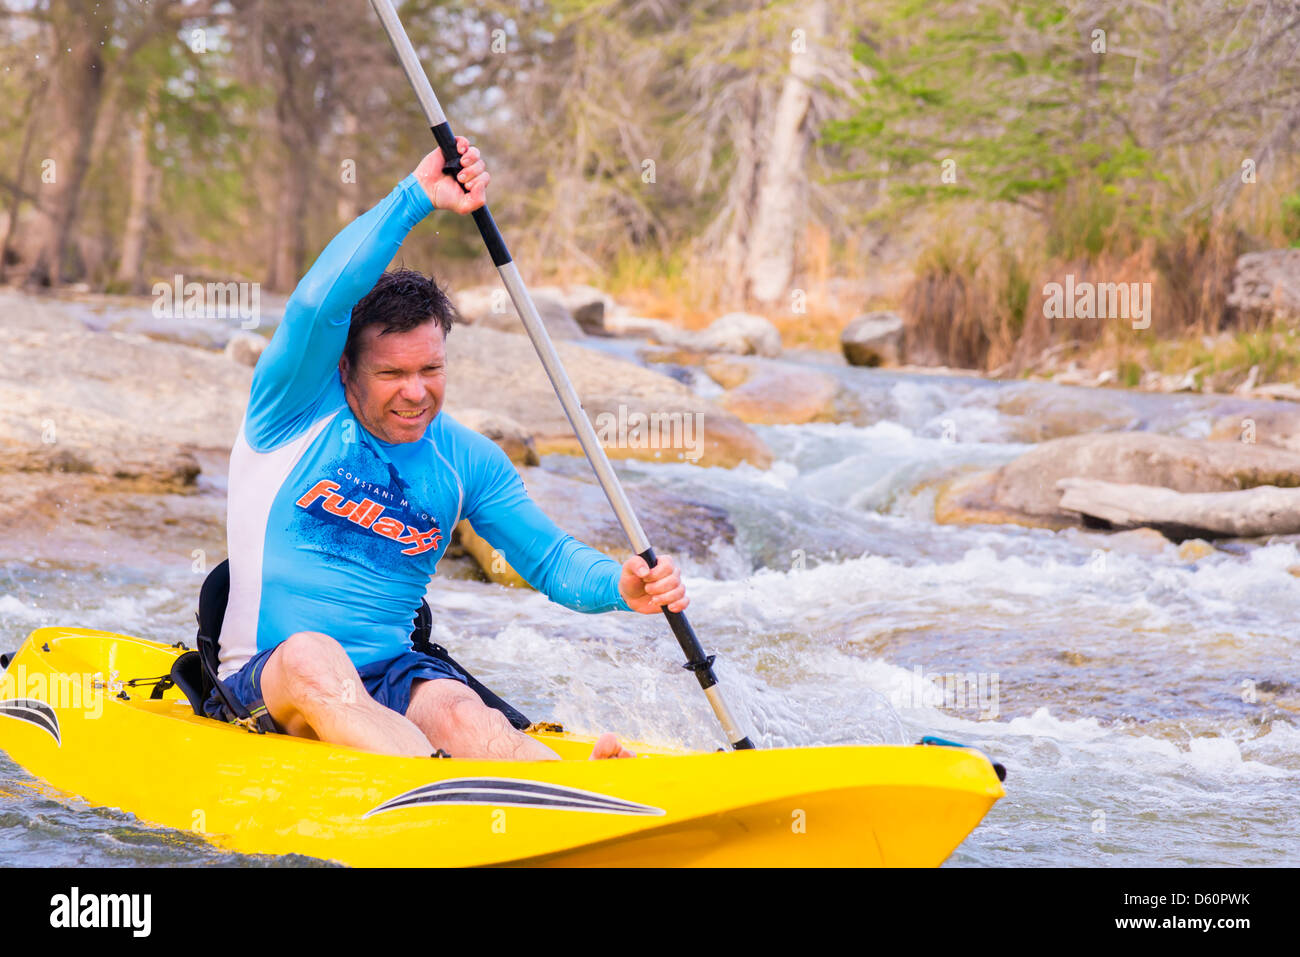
[{"x": 273, "y": 794}]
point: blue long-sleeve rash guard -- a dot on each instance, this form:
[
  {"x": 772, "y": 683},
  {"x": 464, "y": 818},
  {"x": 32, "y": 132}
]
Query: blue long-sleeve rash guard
[{"x": 333, "y": 530}]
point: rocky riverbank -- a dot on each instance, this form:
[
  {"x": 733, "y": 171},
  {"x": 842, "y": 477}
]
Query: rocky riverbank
[
  {"x": 114, "y": 418},
  {"x": 1042, "y": 488},
  {"x": 111, "y": 427}
]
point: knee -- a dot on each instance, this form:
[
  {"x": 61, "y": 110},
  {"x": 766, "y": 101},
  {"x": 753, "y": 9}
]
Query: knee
[
  {"x": 312, "y": 664},
  {"x": 466, "y": 713}
]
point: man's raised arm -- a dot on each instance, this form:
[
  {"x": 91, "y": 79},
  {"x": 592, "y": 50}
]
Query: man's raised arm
[{"x": 292, "y": 374}]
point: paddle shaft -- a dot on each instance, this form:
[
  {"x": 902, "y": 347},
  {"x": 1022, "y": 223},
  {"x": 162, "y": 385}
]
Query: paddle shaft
[{"x": 696, "y": 660}]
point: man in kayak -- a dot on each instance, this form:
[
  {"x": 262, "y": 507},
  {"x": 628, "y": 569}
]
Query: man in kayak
[{"x": 345, "y": 483}]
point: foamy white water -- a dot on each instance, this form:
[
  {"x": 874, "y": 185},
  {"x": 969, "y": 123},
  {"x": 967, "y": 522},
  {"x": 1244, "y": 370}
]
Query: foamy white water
[{"x": 1145, "y": 706}]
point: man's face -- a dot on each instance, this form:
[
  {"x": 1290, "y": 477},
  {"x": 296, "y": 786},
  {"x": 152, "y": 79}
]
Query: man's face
[{"x": 397, "y": 385}]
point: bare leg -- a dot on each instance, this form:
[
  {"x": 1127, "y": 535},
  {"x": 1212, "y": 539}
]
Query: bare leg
[
  {"x": 455, "y": 719},
  {"x": 312, "y": 690}
]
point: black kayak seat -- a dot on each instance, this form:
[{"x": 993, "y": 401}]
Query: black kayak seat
[
  {"x": 195, "y": 676},
  {"x": 187, "y": 674}
]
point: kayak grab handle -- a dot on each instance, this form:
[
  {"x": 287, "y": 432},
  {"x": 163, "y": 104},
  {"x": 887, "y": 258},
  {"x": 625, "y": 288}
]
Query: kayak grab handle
[{"x": 998, "y": 769}]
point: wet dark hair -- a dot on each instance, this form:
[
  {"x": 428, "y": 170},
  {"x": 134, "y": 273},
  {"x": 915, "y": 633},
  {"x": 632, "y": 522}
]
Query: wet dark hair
[{"x": 398, "y": 302}]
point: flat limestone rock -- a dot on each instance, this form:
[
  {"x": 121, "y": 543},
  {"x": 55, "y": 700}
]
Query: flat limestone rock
[
  {"x": 637, "y": 413},
  {"x": 492, "y": 308},
  {"x": 783, "y": 395},
  {"x": 1026, "y": 491},
  {"x": 968, "y": 499},
  {"x": 1249, "y": 513},
  {"x": 111, "y": 405},
  {"x": 1278, "y": 427},
  {"x": 676, "y": 526}
]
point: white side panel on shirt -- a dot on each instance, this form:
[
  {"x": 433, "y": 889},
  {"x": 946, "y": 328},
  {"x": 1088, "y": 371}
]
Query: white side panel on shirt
[{"x": 255, "y": 480}]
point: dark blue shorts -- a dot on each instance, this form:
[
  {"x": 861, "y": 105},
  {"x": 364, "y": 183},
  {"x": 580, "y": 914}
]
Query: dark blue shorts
[{"x": 388, "y": 682}]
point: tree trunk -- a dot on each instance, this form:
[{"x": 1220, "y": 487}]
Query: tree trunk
[
  {"x": 78, "y": 84},
  {"x": 130, "y": 267},
  {"x": 304, "y": 73},
  {"x": 289, "y": 241},
  {"x": 348, "y": 206},
  {"x": 779, "y": 214},
  {"x": 293, "y": 189},
  {"x": 15, "y": 203},
  {"x": 741, "y": 190}
]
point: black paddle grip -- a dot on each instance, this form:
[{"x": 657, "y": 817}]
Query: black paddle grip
[
  {"x": 487, "y": 226},
  {"x": 696, "y": 660}
]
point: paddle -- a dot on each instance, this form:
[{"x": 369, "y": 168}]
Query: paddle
[{"x": 696, "y": 660}]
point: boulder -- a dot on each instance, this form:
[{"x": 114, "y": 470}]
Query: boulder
[
  {"x": 1266, "y": 287},
  {"x": 1253, "y": 512},
  {"x": 654, "y": 330},
  {"x": 121, "y": 407},
  {"x": 873, "y": 339},
  {"x": 1026, "y": 490},
  {"x": 1038, "y": 413},
  {"x": 968, "y": 499},
  {"x": 730, "y": 372},
  {"x": 97, "y": 520},
  {"x": 587, "y": 304},
  {"x": 741, "y": 333},
  {"x": 676, "y": 525},
  {"x": 638, "y": 413},
  {"x": 777, "y": 394},
  {"x": 492, "y": 308},
  {"x": 1282, "y": 391},
  {"x": 1193, "y": 550},
  {"x": 516, "y": 441},
  {"x": 489, "y": 559},
  {"x": 667, "y": 355},
  {"x": 245, "y": 348},
  {"x": 1279, "y": 427}
]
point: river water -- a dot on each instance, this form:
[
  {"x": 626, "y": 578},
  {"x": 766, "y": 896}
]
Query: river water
[{"x": 1144, "y": 702}]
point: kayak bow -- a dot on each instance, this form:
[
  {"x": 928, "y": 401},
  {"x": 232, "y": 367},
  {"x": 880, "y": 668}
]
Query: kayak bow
[{"x": 68, "y": 716}]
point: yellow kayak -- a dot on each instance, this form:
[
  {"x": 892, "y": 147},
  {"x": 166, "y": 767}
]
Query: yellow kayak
[{"x": 70, "y": 717}]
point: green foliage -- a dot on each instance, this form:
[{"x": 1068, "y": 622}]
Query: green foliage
[
  {"x": 1034, "y": 121},
  {"x": 964, "y": 89},
  {"x": 1129, "y": 373},
  {"x": 1291, "y": 217},
  {"x": 1015, "y": 95}
]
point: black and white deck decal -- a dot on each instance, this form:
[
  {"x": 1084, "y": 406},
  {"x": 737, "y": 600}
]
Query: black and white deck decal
[
  {"x": 37, "y": 712},
  {"x": 502, "y": 792}
]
